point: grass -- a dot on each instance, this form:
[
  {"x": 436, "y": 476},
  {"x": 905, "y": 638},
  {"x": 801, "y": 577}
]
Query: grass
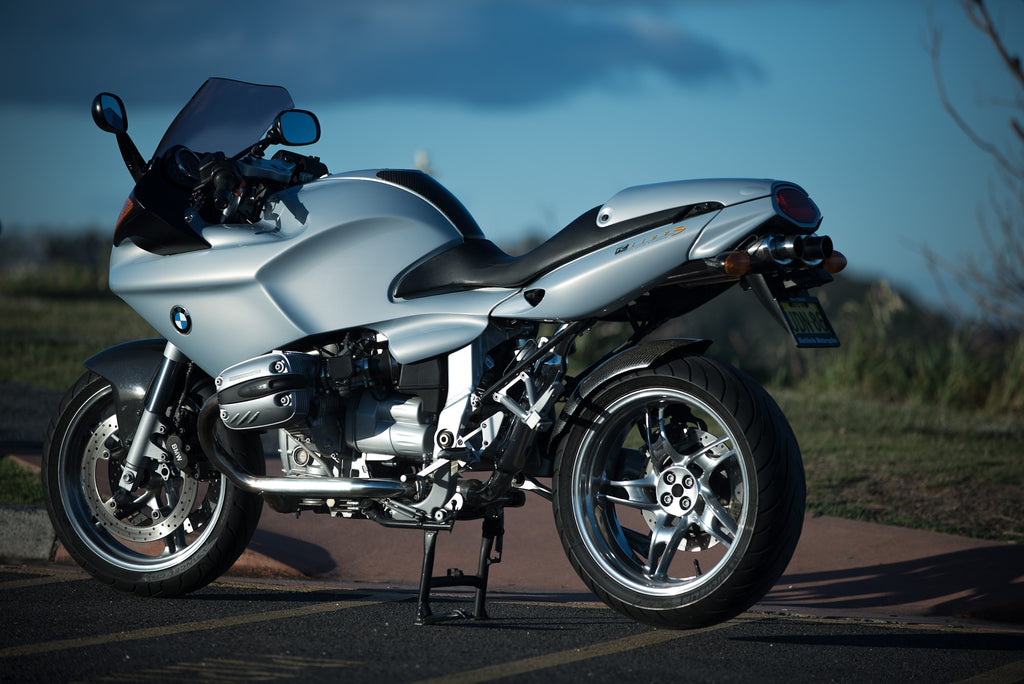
[
  {"x": 45, "y": 338},
  {"x": 19, "y": 485},
  {"x": 953, "y": 471}
]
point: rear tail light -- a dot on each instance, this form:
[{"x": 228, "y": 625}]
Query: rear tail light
[{"x": 794, "y": 204}]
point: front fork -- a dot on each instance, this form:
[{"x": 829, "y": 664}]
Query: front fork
[{"x": 152, "y": 422}]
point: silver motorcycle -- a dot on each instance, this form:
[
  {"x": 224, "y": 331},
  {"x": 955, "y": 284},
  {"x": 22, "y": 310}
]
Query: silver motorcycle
[{"x": 407, "y": 370}]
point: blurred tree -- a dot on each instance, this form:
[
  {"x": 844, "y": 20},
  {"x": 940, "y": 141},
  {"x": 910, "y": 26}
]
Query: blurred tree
[{"x": 995, "y": 281}]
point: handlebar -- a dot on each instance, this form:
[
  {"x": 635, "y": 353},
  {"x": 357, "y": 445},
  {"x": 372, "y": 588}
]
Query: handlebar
[{"x": 232, "y": 190}]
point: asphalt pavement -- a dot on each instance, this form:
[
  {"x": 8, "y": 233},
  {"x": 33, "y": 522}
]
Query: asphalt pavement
[
  {"x": 840, "y": 567},
  {"x": 321, "y": 599},
  {"x": 59, "y": 625}
]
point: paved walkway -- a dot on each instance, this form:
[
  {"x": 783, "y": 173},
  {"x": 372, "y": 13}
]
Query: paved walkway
[{"x": 841, "y": 567}]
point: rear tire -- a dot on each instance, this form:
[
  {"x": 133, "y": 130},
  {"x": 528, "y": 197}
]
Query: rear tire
[
  {"x": 679, "y": 493},
  {"x": 186, "y": 528}
]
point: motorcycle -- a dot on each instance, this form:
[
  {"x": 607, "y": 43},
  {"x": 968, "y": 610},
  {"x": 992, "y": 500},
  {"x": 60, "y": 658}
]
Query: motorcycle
[{"x": 362, "y": 326}]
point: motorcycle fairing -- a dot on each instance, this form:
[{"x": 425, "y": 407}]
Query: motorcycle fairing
[
  {"x": 641, "y": 200},
  {"x": 603, "y": 281},
  {"x": 154, "y": 217},
  {"x": 291, "y": 276},
  {"x": 267, "y": 285},
  {"x": 606, "y": 279}
]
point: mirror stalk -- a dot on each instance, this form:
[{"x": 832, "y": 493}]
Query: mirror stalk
[{"x": 131, "y": 155}]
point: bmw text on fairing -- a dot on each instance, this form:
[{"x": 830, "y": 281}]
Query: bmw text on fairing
[{"x": 363, "y": 324}]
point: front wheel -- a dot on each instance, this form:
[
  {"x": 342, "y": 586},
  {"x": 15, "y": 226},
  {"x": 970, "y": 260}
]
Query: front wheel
[
  {"x": 679, "y": 493},
  {"x": 179, "y": 529}
]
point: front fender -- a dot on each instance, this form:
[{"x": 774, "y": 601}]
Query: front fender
[
  {"x": 634, "y": 358},
  {"x": 130, "y": 368}
]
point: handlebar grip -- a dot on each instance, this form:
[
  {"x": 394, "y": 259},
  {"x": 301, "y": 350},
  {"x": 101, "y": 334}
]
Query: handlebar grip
[{"x": 225, "y": 181}]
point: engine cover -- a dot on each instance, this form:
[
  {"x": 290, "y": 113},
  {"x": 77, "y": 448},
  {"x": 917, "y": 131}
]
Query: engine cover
[{"x": 273, "y": 390}]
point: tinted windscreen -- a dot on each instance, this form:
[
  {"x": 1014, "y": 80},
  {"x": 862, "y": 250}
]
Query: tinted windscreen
[{"x": 225, "y": 116}]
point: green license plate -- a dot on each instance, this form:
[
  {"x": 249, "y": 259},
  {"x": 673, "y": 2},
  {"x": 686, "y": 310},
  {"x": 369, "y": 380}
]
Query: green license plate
[{"x": 808, "y": 322}]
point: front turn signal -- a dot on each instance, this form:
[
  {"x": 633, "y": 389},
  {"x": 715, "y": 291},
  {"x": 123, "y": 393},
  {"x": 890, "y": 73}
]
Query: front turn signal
[
  {"x": 126, "y": 209},
  {"x": 835, "y": 263}
]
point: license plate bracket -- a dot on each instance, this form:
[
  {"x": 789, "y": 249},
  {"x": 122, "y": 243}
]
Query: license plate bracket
[{"x": 808, "y": 322}]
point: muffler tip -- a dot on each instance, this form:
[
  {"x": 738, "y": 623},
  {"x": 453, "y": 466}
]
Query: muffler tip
[{"x": 816, "y": 248}]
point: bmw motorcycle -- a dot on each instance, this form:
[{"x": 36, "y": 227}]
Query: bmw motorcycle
[{"x": 407, "y": 370}]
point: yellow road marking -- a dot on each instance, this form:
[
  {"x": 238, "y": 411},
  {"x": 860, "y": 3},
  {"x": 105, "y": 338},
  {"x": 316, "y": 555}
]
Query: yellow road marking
[
  {"x": 889, "y": 623},
  {"x": 42, "y": 580},
  {"x": 543, "y": 662},
  {"x": 182, "y": 628},
  {"x": 1007, "y": 674},
  {"x": 258, "y": 669}
]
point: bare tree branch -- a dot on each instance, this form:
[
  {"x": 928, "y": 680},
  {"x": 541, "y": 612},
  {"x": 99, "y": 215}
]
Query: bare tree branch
[
  {"x": 993, "y": 282},
  {"x": 935, "y": 47},
  {"x": 979, "y": 15}
]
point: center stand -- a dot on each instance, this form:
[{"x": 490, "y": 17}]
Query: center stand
[{"x": 490, "y": 540}]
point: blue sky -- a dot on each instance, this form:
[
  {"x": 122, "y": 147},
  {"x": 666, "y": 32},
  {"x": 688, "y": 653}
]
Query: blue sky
[{"x": 533, "y": 112}]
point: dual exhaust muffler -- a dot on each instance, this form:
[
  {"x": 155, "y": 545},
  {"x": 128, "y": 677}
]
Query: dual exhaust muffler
[{"x": 807, "y": 250}]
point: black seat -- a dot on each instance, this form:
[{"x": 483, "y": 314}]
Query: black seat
[{"x": 478, "y": 262}]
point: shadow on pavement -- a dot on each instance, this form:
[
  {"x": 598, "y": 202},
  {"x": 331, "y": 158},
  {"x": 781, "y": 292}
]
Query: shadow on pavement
[
  {"x": 948, "y": 581},
  {"x": 316, "y": 560}
]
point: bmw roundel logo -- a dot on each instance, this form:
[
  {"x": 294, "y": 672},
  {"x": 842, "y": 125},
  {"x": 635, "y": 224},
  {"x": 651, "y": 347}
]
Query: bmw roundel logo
[{"x": 181, "y": 321}]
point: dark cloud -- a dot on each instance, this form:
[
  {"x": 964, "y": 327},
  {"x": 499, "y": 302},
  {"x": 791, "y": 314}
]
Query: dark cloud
[{"x": 516, "y": 52}]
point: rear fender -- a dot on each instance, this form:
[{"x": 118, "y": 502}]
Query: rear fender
[{"x": 634, "y": 358}]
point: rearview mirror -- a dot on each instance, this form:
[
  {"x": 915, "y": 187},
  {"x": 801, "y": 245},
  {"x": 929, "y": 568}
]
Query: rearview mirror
[
  {"x": 109, "y": 114},
  {"x": 295, "y": 127}
]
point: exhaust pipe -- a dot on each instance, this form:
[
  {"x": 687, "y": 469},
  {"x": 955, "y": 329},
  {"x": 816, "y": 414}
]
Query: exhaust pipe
[
  {"x": 781, "y": 250},
  {"x": 319, "y": 488},
  {"x": 816, "y": 249},
  {"x": 808, "y": 250}
]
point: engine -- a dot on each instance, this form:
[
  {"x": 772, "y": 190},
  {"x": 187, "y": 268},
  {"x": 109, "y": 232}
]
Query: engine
[{"x": 345, "y": 410}]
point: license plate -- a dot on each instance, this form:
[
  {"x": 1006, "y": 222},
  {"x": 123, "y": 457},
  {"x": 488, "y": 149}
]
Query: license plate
[{"x": 808, "y": 322}]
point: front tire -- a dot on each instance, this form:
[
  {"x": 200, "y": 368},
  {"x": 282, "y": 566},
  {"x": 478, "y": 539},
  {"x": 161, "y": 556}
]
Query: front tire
[
  {"x": 679, "y": 493},
  {"x": 185, "y": 527}
]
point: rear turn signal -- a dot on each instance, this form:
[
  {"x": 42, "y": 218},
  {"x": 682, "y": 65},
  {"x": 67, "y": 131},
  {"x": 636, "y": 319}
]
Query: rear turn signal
[
  {"x": 835, "y": 263},
  {"x": 736, "y": 264}
]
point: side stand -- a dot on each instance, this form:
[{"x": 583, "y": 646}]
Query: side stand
[{"x": 490, "y": 540}]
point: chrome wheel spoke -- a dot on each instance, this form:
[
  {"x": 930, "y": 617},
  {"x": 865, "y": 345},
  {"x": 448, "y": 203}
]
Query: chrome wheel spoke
[
  {"x": 637, "y": 542},
  {"x": 664, "y": 542},
  {"x": 170, "y": 545},
  {"x": 706, "y": 459},
  {"x": 643, "y": 424},
  {"x": 715, "y": 519},
  {"x": 664, "y": 452},
  {"x": 639, "y": 493}
]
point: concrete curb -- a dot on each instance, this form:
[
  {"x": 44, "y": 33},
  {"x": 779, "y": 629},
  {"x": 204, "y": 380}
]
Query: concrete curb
[{"x": 26, "y": 534}]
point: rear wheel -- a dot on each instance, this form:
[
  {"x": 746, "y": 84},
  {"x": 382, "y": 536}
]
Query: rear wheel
[
  {"x": 679, "y": 493},
  {"x": 180, "y": 528}
]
